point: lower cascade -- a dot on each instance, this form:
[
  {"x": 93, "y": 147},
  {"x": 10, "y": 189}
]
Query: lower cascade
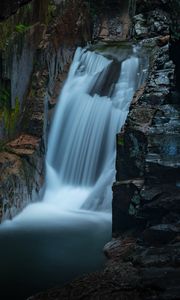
[{"x": 62, "y": 235}]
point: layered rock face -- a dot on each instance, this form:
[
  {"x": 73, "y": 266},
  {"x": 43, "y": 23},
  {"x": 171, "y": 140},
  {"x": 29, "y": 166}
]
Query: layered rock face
[
  {"x": 36, "y": 49},
  {"x": 148, "y": 148},
  {"x": 146, "y": 193}
]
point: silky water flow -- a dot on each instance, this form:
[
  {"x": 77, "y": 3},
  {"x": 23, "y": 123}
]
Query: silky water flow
[{"x": 62, "y": 236}]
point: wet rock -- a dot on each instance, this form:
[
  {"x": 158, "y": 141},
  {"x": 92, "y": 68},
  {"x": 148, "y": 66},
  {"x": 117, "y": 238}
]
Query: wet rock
[
  {"x": 141, "y": 118},
  {"x": 140, "y": 31},
  {"x": 161, "y": 78},
  {"x": 162, "y": 57},
  {"x": 140, "y": 27},
  {"x": 123, "y": 192},
  {"x": 139, "y": 18},
  {"x": 153, "y": 99},
  {"x": 149, "y": 146},
  {"x": 165, "y": 256},
  {"x": 151, "y": 193},
  {"x": 160, "y": 202},
  {"x": 158, "y": 22},
  {"x": 169, "y": 65},
  {"x": 152, "y": 23},
  {"x": 22, "y": 170},
  {"x": 163, "y": 144},
  {"x": 160, "y": 234},
  {"x": 131, "y": 152},
  {"x": 119, "y": 249}
]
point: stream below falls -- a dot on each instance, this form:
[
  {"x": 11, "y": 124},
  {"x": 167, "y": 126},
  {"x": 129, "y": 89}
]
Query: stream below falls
[{"x": 61, "y": 236}]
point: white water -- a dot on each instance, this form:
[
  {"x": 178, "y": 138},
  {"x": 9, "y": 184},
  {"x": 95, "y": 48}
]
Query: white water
[
  {"x": 80, "y": 163},
  {"x": 81, "y": 153}
]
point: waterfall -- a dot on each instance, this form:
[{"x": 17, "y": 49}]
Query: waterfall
[
  {"x": 62, "y": 236},
  {"x": 81, "y": 150},
  {"x": 91, "y": 110}
]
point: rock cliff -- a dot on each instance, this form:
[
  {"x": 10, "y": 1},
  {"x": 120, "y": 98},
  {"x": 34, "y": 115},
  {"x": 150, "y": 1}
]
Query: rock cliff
[{"x": 36, "y": 48}]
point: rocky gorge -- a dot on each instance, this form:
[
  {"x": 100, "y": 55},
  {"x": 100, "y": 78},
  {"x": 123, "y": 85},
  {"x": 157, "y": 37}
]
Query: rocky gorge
[{"x": 144, "y": 254}]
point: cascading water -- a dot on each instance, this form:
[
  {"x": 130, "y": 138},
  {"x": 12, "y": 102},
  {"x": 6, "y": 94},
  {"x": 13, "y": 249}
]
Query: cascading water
[
  {"x": 82, "y": 140},
  {"x": 75, "y": 215}
]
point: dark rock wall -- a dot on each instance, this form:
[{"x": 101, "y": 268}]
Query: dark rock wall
[
  {"x": 146, "y": 194},
  {"x": 8, "y": 7},
  {"x": 148, "y": 149},
  {"x": 21, "y": 155},
  {"x": 20, "y": 37},
  {"x": 36, "y": 48}
]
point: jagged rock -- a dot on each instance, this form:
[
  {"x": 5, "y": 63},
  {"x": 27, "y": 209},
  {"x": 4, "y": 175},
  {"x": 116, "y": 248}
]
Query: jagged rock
[
  {"x": 158, "y": 22},
  {"x": 139, "y": 18},
  {"x": 152, "y": 23}
]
